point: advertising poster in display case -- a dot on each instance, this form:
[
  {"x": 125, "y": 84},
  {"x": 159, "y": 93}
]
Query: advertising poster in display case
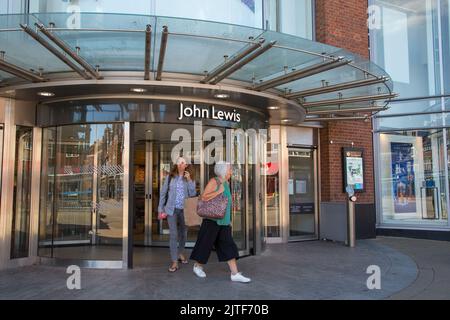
[
  {"x": 353, "y": 168},
  {"x": 403, "y": 177}
]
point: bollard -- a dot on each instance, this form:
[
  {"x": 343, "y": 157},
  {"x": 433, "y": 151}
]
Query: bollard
[{"x": 351, "y": 234}]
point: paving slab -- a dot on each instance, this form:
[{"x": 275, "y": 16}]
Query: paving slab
[{"x": 295, "y": 271}]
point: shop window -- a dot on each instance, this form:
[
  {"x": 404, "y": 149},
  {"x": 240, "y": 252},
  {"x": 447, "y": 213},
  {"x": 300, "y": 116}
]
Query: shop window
[
  {"x": 406, "y": 45},
  {"x": 413, "y": 179},
  {"x": 293, "y": 17}
]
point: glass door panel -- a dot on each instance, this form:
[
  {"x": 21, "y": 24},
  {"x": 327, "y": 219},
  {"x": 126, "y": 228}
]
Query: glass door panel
[
  {"x": 302, "y": 194},
  {"x": 271, "y": 185},
  {"x": 74, "y": 186},
  {"x": 238, "y": 189},
  {"x": 47, "y": 199},
  {"x": 109, "y": 198},
  {"x": 20, "y": 233},
  {"x": 82, "y": 192},
  {"x": 153, "y": 167},
  {"x": 139, "y": 193},
  {"x": 153, "y": 163},
  {"x": 162, "y": 166}
]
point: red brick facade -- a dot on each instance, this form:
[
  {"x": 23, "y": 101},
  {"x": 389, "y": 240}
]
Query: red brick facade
[{"x": 343, "y": 23}]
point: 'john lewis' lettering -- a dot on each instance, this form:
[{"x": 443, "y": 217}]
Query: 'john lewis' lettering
[{"x": 208, "y": 113}]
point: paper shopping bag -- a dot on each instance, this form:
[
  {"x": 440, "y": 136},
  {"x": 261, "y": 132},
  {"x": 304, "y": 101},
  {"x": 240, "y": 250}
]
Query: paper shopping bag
[{"x": 191, "y": 218}]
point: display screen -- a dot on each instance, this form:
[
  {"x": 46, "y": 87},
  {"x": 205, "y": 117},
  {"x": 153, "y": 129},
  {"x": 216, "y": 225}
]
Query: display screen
[{"x": 354, "y": 169}]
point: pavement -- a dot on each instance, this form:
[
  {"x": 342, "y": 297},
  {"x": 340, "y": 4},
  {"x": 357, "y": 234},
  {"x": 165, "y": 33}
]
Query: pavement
[
  {"x": 432, "y": 259},
  {"x": 317, "y": 270}
]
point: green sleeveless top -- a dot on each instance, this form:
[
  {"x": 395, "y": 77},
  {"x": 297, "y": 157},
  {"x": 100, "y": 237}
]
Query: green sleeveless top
[{"x": 226, "y": 221}]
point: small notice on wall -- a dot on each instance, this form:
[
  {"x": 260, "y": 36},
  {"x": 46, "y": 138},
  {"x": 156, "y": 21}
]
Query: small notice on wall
[
  {"x": 300, "y": 187},
  {"x": 291, "y": 186},
  {"x": 353, "y": 169}
]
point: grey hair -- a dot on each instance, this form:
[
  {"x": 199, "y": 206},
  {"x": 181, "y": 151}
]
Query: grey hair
[{"x": 221, "y": 168}]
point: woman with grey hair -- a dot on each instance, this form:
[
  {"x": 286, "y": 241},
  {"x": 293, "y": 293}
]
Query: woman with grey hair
[
  {"x": 217, "y": 233},
  {"x": 178, "y": 186}
]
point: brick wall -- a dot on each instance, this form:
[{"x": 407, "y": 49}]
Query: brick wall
[
  {"x": 343, "y": 23},
  {"x": 343, "y": 133}
]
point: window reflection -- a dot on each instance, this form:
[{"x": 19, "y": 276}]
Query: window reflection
[
  {"x": 407, "y": 45},
  {"x": 288, "y": 16},
  {"x": 82, "y": 192},
  {"x": 413, "y": 180},
  {"x": 242, "y": 12}
]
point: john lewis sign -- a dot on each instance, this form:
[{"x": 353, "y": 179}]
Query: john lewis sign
[{"x": 208, "y": 113}]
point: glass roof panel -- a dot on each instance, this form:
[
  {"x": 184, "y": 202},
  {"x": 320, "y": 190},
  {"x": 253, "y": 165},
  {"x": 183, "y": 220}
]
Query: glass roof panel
[
  {"x": 22, "y": 50},
  {"x": 13, "y": 21},
  {"x": 120, "y": 47},
  {"x": 4, "y": 75},
  {"x": 196, "y": 46},
  {"x": 289, "y": 52},
  {"x": 117, "y": 42},
  {"x": 375, "y": 89},
  {"x": 349, "y": 106},
  {"x": 109, "y": 50},
  {"x": 100, "y": 21}
]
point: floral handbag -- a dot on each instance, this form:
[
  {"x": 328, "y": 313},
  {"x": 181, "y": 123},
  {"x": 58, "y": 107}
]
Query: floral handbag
[{"x": 214, "y": 208}]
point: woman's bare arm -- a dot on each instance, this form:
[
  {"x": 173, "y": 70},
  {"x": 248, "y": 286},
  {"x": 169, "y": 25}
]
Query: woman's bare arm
[{"x": 210, "y": 190}]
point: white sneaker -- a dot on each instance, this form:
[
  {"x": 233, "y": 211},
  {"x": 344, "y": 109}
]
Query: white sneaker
[
  {"x": 199, "y": 271},
  {"x": 238, "y": 277}
]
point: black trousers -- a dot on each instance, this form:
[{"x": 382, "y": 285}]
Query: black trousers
[{"x": 212, "y": 235}]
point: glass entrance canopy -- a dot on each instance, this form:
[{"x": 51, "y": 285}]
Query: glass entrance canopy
[{"x": 323, "y": 81}]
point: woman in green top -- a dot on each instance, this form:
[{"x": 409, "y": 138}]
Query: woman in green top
[{"x": 217, "y": 233}]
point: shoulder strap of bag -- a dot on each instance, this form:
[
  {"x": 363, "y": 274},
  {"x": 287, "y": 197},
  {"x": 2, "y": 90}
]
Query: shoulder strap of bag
[
  {"x": 168, "y": 188},
  {"x": 218, "y": 183}
]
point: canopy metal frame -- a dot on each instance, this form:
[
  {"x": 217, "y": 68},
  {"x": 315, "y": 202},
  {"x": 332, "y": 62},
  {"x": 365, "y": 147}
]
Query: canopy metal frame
[
  {"x": 253, "y": 47},
  {"x": 348, "y": 110},
  {"x": 302, "y": 73},
  {"x": 341, "y": 101},
  {"x": 20, "y": 72},
  {"x": 54, "y": 51},
  {"x": 162, "y": 52},
  {"x": 243, "y": 62},
  {"x": 148, "y": 46},
  {"x": 64, "y": 47},
  {"x": 232, "y": 61},
  {"x": 338, "y": 87}
]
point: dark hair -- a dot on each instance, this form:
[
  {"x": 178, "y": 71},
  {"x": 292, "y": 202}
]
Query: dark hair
[{"x": 174, "y": 172}]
